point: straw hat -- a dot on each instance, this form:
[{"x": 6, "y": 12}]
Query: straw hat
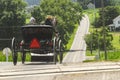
[{"x": 49, "y": 17}]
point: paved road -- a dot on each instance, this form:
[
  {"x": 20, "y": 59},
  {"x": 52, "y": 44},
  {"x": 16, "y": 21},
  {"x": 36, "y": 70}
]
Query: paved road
[
  {"x": 78, "y": 49},
  {"x": 43, "y": 71}
]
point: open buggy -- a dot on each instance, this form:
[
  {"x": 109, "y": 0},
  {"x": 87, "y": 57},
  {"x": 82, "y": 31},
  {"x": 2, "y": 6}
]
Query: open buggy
[{"x": 38, "y": 39}]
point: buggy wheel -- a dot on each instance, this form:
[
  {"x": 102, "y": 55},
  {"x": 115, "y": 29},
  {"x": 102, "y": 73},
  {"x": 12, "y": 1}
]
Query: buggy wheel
[
  {"x": 54, "y": 51},
  {"x": 14, "y": 52},
  {"x": 23, "y": 57},
  {"x": 55, "y": 57},
  {"x": 15, "y": 58},
  {"x": 60, "y": 51}
]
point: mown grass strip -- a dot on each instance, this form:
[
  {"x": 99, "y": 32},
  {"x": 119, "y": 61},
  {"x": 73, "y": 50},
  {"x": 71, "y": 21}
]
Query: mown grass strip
[{"x": 3, "y": 57}]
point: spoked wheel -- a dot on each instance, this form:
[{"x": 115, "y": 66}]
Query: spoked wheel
[
  {"x": 55, "y": 57},
  {"x": 23, "y": 52},
  {"x": 54, "y": 51},
  {"x": 23, "y": 57},
  {"x": 60, "y": 51},
  {"x": 14, "y": 52}
]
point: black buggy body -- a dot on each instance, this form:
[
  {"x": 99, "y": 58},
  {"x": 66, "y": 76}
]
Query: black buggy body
[{"x": 37, "y": 39}]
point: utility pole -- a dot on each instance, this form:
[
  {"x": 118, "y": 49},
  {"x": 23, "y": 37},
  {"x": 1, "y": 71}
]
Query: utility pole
[{"x": 104, "y": 29}]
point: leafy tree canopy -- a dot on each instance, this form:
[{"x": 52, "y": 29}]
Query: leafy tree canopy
[
  {"x": 12, "y": 12},
  {"x": 97, "y": 3},
  {"x": 96, "y": 40},
  {"x": 114, "y": 2},
  {"x": 110, "y": 12}
]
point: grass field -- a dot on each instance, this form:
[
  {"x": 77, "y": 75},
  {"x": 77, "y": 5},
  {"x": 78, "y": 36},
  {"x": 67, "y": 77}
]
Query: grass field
[
  {"x": 116, "y": 40},
  {"x": 112, "y": 56}
]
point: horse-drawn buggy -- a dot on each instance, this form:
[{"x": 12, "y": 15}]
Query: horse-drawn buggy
[{"x": 39, "y": 39}]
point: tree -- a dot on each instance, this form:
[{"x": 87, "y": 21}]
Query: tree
[
  {"x": 68, "y": 13},
  {"x": 97, "y": 3},
  {"x": 114, "y": 2},
  {"x": 110, "y": 12},
  {"x": 98, "y": 40},
  {"x": 37, "y": 14},
  {"x": 12, "y": 12},
  {"x": 84, "y": 3}
]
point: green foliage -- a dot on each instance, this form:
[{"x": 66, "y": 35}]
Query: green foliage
[
  {"x": 68, "y": 46},
  {"x": 110, "y": 13},
  {"x": 115, "y": 2},
  {"x": 112, "y": 56},
  {"x": 12, "y": 12},
  {"x": 92, "y": 14},
  {"x": 37, "y": 14},
  {"x": 97, "y": 3},
  {"x": 96, "y": 39},
  {"x": 68, "y": 13},
  {"x": 84, "y": 3},
  {"x": 116, "y": 40},
  {"x": 3, "y": 57}
]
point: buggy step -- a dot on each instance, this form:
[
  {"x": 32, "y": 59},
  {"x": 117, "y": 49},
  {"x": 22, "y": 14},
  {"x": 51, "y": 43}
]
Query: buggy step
[
  {"x": 49, "y": 54},
  {"x": 42, "y": 57}
]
